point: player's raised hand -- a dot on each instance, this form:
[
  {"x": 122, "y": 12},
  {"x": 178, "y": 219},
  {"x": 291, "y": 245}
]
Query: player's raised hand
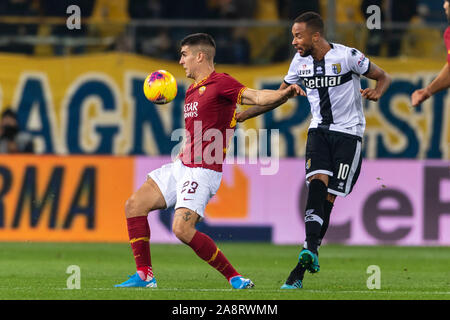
[
  {"x": 419, "y": 96},
  {"x": 370, "y": 94}
]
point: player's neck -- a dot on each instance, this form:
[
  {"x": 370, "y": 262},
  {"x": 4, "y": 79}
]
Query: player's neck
[
  {"x": 203, "y": 74},
  {"x": 321, "y": 50}
]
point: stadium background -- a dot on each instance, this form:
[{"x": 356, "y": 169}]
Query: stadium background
[{"x": 79, "y": 93}]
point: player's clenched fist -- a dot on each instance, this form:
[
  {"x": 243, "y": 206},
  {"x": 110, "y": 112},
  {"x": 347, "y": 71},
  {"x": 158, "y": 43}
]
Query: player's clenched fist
[{"x": 370, "y": 94}]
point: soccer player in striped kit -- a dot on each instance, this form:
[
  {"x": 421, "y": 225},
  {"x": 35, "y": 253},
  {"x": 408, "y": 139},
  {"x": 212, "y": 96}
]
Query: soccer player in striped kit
[
  {"x": 442, "y": 81},
  {"x": 331, "y": 74},
  {"x": 194, "y": 177}
]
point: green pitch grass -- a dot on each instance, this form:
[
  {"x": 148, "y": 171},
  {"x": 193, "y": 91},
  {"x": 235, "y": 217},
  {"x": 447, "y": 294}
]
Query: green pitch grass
[{"x": 38, "y": 271}]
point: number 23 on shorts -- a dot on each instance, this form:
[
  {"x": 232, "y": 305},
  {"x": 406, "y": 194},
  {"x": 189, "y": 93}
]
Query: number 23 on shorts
[{"x": 190, "y": 186}]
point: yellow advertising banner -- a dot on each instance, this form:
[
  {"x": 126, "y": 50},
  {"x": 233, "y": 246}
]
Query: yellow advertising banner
[{"x": 94, "y": 104}]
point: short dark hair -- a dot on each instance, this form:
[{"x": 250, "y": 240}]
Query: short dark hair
[
  {"x": 204, "y": 41},
  {"x": 313, "y": 20},
  {"x": 198, "y": 39}
]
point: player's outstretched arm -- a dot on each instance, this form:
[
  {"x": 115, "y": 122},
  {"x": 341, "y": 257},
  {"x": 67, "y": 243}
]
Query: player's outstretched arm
[
  {"x": 264, "y": 98},
  {"x": 383, "y": 82},
  {"x": 268, "y": 97},
  {"x": 441, "y": 82}
]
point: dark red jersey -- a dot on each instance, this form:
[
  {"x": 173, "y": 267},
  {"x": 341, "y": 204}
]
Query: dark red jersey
[
  {"x": 209, "y": 115},
  {"x": 447, "y": 43}
]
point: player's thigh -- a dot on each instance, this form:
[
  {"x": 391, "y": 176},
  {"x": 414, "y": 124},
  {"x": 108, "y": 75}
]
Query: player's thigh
[
  {"x": 147, "y": 198},
  {"x": 158, "y": 192},
  {"x": 165, "y": 180},
  {"x": 347, "y": 160},
  {"x": 318, "y": 155}
]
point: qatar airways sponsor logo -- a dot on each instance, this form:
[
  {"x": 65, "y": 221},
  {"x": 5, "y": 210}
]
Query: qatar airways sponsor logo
[
  {"x": 212, "y": 146},
  {"x": 191, "y": 110}
]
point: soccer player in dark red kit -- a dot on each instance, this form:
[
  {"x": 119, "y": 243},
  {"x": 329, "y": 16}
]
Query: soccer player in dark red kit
[
  {"x": 194, "y": 177},
  {"x": 442, "y": 81}
]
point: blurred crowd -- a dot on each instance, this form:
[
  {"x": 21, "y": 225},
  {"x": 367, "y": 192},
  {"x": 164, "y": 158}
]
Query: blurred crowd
[
  {"x": 12, "y": 138},
  {"x": 121, "y": 26}
]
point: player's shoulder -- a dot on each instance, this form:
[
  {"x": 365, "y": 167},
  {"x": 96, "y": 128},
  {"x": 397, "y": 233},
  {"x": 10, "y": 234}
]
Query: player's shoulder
[
  {"x": 223, "y": 77},
  {"x": 220, "y": 76},
  {"x": 345, "y": 50},
  {"x": 339, "y": 46}
]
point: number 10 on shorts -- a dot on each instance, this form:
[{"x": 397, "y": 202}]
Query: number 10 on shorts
[{"x": 343, "y": 171}]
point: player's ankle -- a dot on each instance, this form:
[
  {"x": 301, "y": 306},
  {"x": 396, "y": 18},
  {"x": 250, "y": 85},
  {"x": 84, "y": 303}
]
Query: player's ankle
[{"x": 145, "y": 273}]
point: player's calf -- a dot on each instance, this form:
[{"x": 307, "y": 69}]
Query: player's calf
[
  {"x": 148, "y": 197},
  {"x": 206, "y": 249},
  {"x": 314, "y": 215}
]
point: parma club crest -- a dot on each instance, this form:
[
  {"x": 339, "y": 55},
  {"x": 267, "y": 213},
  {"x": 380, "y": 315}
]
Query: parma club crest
[{"x": 336, "y": 67}]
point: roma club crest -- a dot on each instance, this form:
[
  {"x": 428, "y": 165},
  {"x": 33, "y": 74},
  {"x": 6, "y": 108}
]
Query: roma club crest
[
  {"x": 201, "y": 90},
  {"x": 336, "y": 67}
]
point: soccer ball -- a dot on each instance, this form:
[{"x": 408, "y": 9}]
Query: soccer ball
[{"x": 160, "y": 87}]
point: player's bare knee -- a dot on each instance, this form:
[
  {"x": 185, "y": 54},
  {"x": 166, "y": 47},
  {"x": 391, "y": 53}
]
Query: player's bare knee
[
  {"x": 132, "y": 207},
  {"x": 178, "y": 231},
  {"x": 183, "y": 225},
  {"x": 182, "y": 232}
]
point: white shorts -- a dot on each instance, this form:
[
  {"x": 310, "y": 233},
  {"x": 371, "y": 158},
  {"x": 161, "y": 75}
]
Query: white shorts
[{"x": 185, "y": 187}]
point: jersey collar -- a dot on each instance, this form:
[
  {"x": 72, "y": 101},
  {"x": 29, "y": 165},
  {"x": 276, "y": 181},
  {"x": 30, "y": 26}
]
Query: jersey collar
[{"x": 196, "y": 84}]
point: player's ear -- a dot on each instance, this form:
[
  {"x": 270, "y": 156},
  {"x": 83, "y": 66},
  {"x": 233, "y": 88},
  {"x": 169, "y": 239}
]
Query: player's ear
[
  {"x": 316, "y": 36},
  {"x": 200, "y": 56}
]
